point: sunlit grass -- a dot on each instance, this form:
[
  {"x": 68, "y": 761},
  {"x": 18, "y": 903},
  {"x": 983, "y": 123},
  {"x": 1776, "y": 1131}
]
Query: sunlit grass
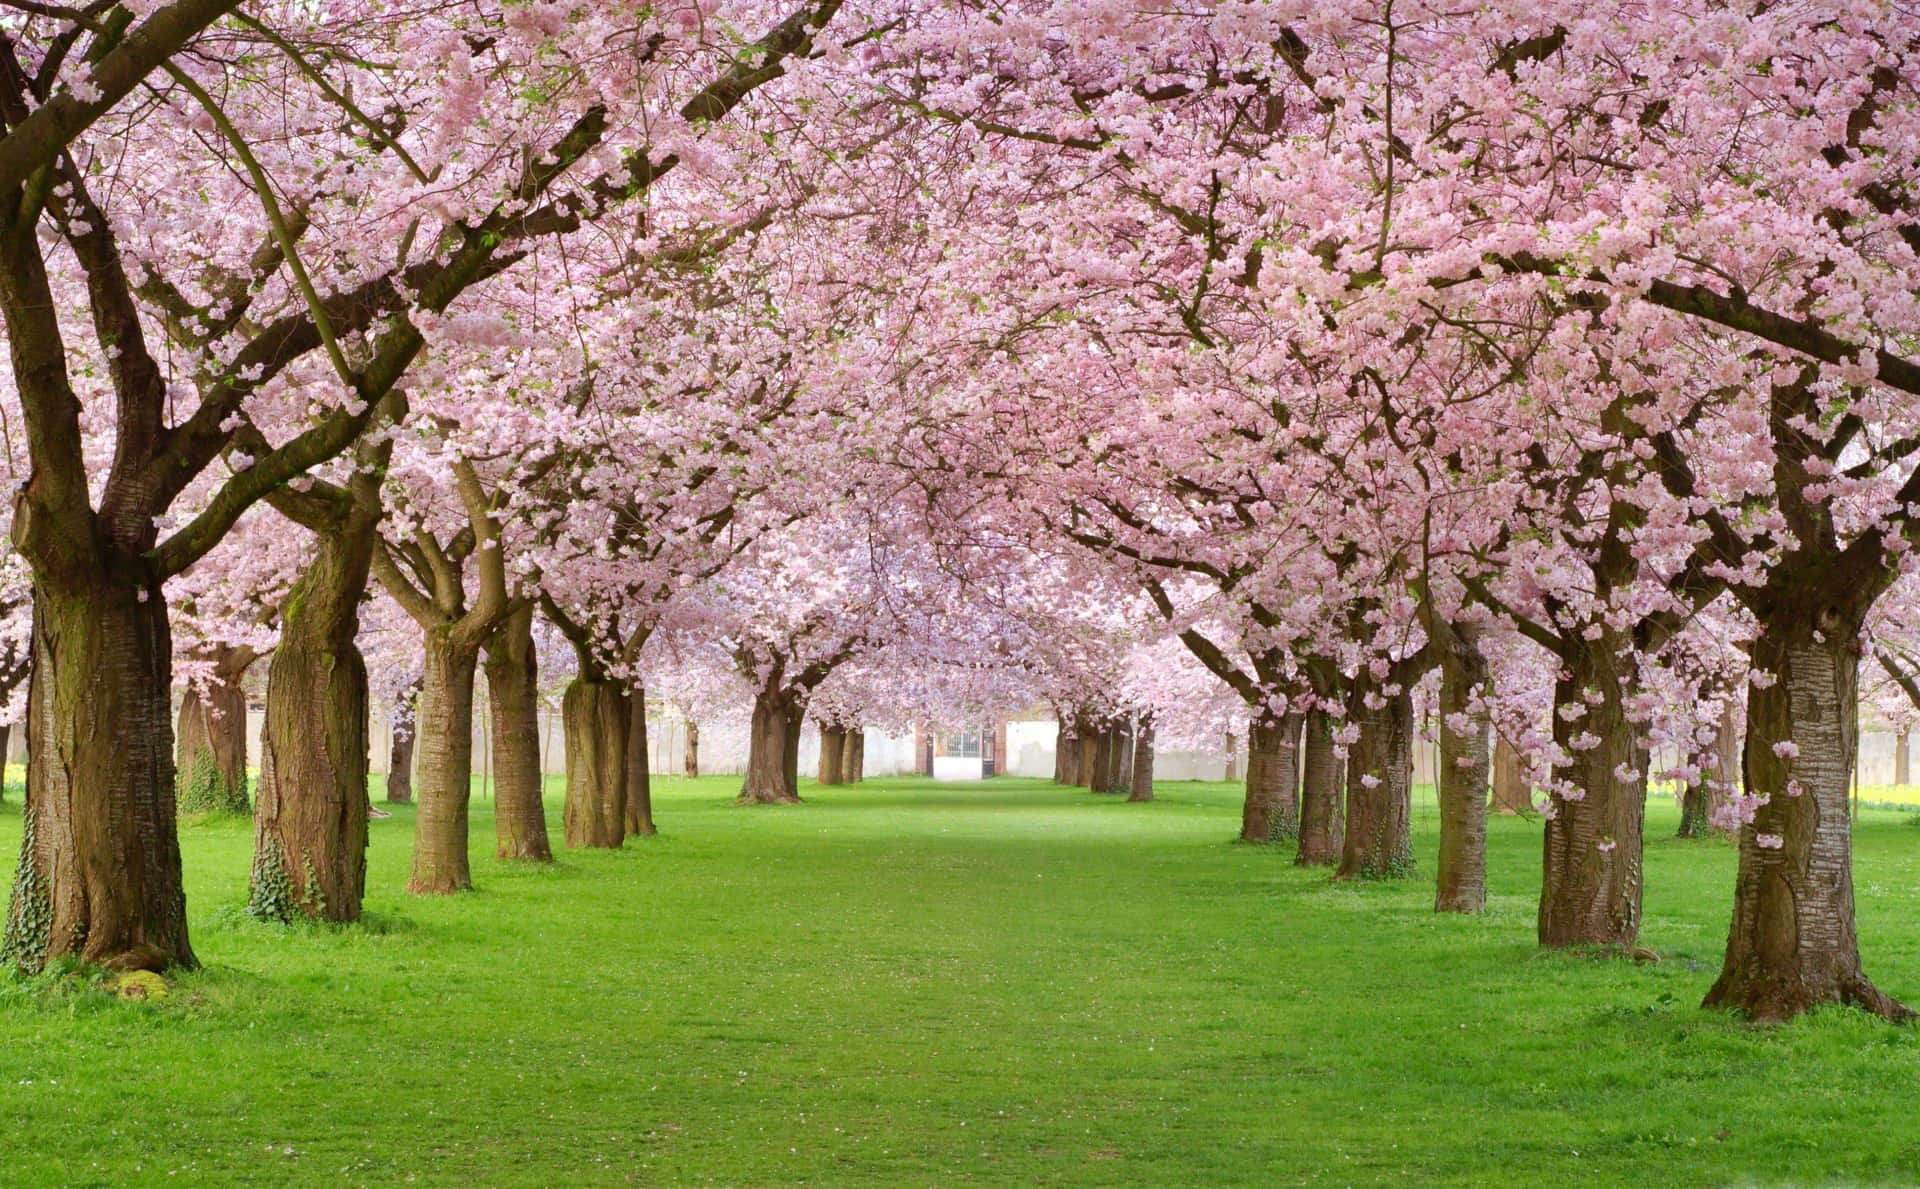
[{"x": 992, "y": 984}]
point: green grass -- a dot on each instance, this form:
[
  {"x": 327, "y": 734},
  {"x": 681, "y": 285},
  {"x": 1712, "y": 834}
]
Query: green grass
[{"x": 984, "y": 984}]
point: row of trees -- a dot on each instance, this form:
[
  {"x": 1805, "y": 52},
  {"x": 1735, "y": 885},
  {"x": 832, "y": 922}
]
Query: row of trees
[{"x": 1298, "y": 367}]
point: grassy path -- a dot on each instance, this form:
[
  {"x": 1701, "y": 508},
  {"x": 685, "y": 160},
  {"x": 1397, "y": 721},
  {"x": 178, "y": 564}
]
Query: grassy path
[{"x": 990, "y": 984}]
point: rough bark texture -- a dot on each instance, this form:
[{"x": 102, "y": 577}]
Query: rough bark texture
[
  {"x": 1097, "y": 758},
  {"x": 99, "y": 872},
  {"x": 1695, "y": 804},
  {"x": 853, "y": 758},
  {"x": 211, "y": 739},
  {"x": 594, "y": 714},
  {"x": 833, "y": 754},
  {"x": 691, "y": 762},
  {"x": 1140, "y": 787},
  {"x": 1379, "y": 838},
  {"x": 513, "y": 693},
  {"x": 443, "y": 764},
  {"x": 1264, "y": 814},
  {"x": 1286, "y": 818},
  {"x": 1321, "y": 819},
  {"x": 310, "y": 828},
  {"x": 639, "y": 769},
  {"x": 1590, "y": 888},
  {"x": 1792, "y": 945},
  {"x": 773, "y": 750},
  {"x": 1461, "y": 870},
  {"x": 1512, "y": 794}
]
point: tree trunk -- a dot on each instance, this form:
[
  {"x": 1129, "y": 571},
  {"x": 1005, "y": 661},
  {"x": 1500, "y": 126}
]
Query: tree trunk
[
  {"x": 1266, "y": 770},
  {"x": 6, "y": 738},
  {"x": 1693, "y": 810},
  {"x": 1286, "y": 816},
  {"x": 639, "y": 768},
  {"x": 1141, "y": 783},
  {"x": 594, "y": 715},
  {"x": 310, "y": 828},
  {"x": 444, "y": 754},
  {"x": 1461, "y": 872},
  {"x": 692, "y": 760},
  {"x": 1512, "y": 794},
  {"x": 1321, "y": 820},
  {"x": 400, "y": 764},
  {"x": 772, "y": 778},
  {"x": 513, "y": 693},
  {"x": 211, "y": 741},
  {"x": 1792, "y": 945},
  {"x": 1902, "y": 759},
  {"x": 1068, "y": 756},
  {"x": 1097, "y": 756},
  {"x": 853, "y": 761},
  {"x": 1379, "y": 838},
  {"x": 833, "y": 754},
  {"x": 99, "y": 873},
  {"x": 1120, "y": 766},
  {"x": 1590, "y": 887}
]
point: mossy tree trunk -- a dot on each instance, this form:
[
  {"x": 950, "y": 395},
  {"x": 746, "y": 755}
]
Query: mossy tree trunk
[
  {"x": 99, "y": 874},
  {"x": 513, "y": 695},
  {"x": 1263, "y": 811},
  {"x": 1322, "y": 819},
  {"x": 211, "y": 739}
]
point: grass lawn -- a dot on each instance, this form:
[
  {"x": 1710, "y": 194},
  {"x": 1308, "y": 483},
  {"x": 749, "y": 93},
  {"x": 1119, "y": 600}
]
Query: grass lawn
[{"x": 1003, "y": 983}]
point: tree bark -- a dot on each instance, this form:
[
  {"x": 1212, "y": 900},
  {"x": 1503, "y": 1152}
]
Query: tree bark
[
  {"x": 773, "y": 750},
  {"x": 211, "y": 740},
  {"x": 1068, "y": 756},
  {"x": 1902, "y": 760},
  {"x": 1793, "y": 944},
  {"x": 853, "y": 761},
  {"x": 310, "y": 832},
  {"x": 1590, "y": 888},
  {"x": 1120, "y": 766},
  {"x": 1512, "y": 794},
  {"x": 1140, "y": 786},
  {"x": 1461, "y": 871},
  {"x": 639, "y": 769},
  {"x": 594, "y": 714},
  {"x": 400, "y": 763},
  {"x": 513, "y": 694},
  {"x": 1321, "y": 820},
  {"x": 692, "y": 759},
  {"x": 1097, "y": 759},
  {"x": 444, "y": 764},
  {"x": 6, "y": 738},
  {"x": 1379, "y": 839},
  {"x": 99, "y": 873},
  {"x": 833, "y": 754}
]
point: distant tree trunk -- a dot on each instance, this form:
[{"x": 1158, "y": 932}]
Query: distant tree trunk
[
  {"x": 1098, "y": 758},
  {"x": 1266, "y": 770},
  {"x": 1321, "y": 820},
  {"x": 692, "y": 766},
  {"x": 1902, "y": 759},
  {"x": 639, "y": 769},
  {"x": 1461, "y": 872},
  {"x": 513, "y": 692},
  {"x": 1070, "y": 757},
  {"x": 1693, "y": 809},
  {"x": 211, "y": 740},
  {"x": 833, "y": 754},
  {"x": 6, "y": 736},
  {"x": 1286, "y": 814},
  {"x": 1233, "y": 757},
  {"x": 1701, "y": 798},
  {"x": 400, "y": 755},
  {"x": 1512, "y": 794},
  {"x": 1379, "y": 839},
  {"x": 1141, "y": 785},
  {"x": 1120, "y": 770},
  {"x": 1060, "y": 742},
  {"x": 444, "y": 763},
  {"x": 594, "y": 714},
  {"x": 773, "y": 749},
  {"x": 1590, "y": 889},
  {"x": 99, "y": 874},
  {"x": 853, "y": 759}
]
